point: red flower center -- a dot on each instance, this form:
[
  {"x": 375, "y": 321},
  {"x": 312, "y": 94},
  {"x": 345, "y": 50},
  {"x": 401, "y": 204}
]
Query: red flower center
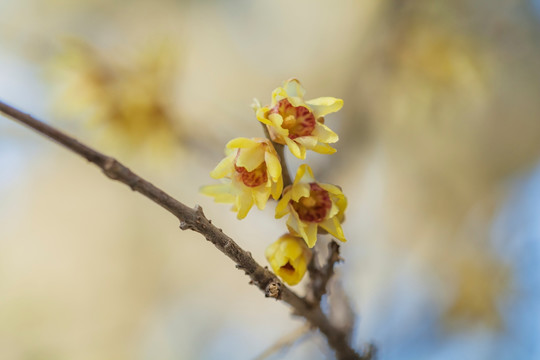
[
  {"x": 315, "y": 207},
  {"x": 288, "y": 268},
  {"x": 253, "y": 178},
  {"x": 297, "y": 119}
]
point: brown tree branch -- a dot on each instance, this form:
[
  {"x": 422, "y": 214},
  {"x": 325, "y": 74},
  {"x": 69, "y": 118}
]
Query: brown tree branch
[
  {"x": 194, "y": 219},
  {"x": 340, "y": 311},
  {"x": 320, "y": 276}
]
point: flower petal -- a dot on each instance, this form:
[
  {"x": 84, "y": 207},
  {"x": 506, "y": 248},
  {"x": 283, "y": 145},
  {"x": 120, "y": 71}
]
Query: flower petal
[
  {"x": 282, "y": 208},
  {"x": 222, "y": 193},
  {"x": 311, "y": 234},
  {"x": 280, "y": 257},
  {"x": 291, "y": 249},
  {"x": 294, "y": 232},
  {"x": 333, "y": 226},
  {"x": 333, "y": 189},
  {"x": 334, "y": 210},
  {"x": 339, "y": 200},
  {"x": 342, "y": 205},
  {"x": 299, "y": 191},
  {"x": 224, "y": 168},
  {"x": 273, "y": 165},
  {"x": 309, "y": 142},
  {"x": 304, "y": 174},
  {"x": 250, "y": 158},
  {"x": 244, "y": 202},
  {"x": 296, "y": 102},
  {"x": 256, "y": 105},
  {"x": 297, "y": 150},
  {"x": 277, "y": 120},
  {"x": 324, "y": 105},
  {"x": 324, "y": 134},
  {"x": 261, "y": 115},
  {"x": 277, "y": 188},
  {"x": 278, "y": 94},
  {"x": 294, "y": 88},
  {"x": 290, "y": 277},
  {"x": 295, "y": 225},
  {"x": 324, "y": 149},
  {"x": 260, "y": 196},
  {"x": 241, "y": 142}
]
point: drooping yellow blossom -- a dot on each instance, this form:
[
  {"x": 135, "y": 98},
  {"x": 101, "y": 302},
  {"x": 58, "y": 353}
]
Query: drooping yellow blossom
[
  {"x": 289, "y": 257},
  {"x": 311, "y": 205},
  {"x": 252, "y": 172},
  {"x": 297, "y": 123}
]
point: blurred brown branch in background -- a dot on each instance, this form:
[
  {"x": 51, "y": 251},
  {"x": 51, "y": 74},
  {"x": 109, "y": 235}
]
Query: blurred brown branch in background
[
  {"x": 194, "y": 219},
  {"x": 321, "y": 275},
  {"x": 286, "y": 342}
]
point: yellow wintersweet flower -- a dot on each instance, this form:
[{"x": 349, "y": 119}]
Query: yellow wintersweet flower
[
  {"x": 297, "y": 123},
  {"x": 311, "y": 205},
  {"x": 252, "y": 173},
  {"x": 289, "y": 257}
]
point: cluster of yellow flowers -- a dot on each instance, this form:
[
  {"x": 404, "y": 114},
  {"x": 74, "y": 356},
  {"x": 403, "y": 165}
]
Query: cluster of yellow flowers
[{"x": 252, "y": 173}]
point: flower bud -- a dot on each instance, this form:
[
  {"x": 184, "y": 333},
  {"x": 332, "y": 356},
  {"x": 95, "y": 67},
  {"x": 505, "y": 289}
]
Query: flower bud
[{"x": 289, "y": 257}]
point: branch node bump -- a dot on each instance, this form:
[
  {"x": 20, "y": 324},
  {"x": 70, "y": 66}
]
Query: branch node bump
[
  {"x": 133, "y": 184},
  {"x": 108, "y": 168},
  {"x": 184, "y": 225},
  {"x": 199, "y": 210},
  {"x": 273, "y": 290}
]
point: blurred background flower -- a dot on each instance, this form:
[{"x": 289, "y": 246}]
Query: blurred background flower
[
  {"x": 130, "y": 103},
  {"x": 438, "y": 155}
]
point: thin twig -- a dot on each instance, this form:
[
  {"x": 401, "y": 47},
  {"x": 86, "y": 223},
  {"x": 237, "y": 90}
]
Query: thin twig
[
  {"x": 194, "y": 219},
  {"x": 281, "y": 153},
  {"x": 320, "y": 276},
  {"x": 285, "y": 342},
  {"x": 341, "y": 312}
]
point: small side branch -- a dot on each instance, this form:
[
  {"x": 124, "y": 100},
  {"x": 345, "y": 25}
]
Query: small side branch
[
  {"x": 285, "y": 342},
  {"x": 321, "y": 276},
  {"x": 194, "y": 219}
]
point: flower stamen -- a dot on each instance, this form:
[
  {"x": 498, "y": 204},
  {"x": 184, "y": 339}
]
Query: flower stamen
[
  {"x": 252, "y": 178},
  {"x": 289, "y": 122},
  {"x": 315, "y": 207},
  {"x": 308, "y": 201},
  {"x": 299, "y": 120},
  {"x": 288, "y": 267}
]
